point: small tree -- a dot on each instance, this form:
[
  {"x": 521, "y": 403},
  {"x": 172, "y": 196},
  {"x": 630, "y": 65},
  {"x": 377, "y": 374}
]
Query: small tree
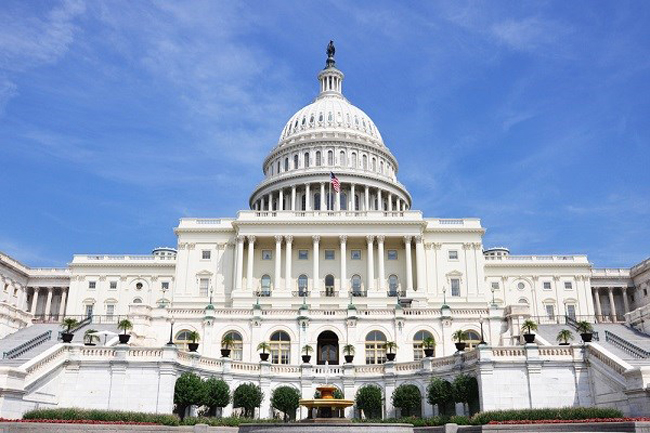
[
  {"x": 216, "y": 395},
  {"x": 564, "y": 336},
  {"x": 529, "y": 326},
  {"x": 584, "y": 327},
  {"x": 429, "y": 343},
  {"x": 459, "y": 336},
  {"x": 263, "y": 346},
  {"x": 462, "y": 388},
  {"x": 247, "y": 396},
  {"x": 307, "y": 350},
  {"x": 194, "y": 336},
  {"x": 125, "y": 325},
  {"x": 408, "y": 399},
  {"x": 69, "y": 323},
  {"x": 368, "y": 399},
  {"x": 390, "y": 346},
  {"x": 90, "y": 337},
  {"x": 348, "y": 349},
  {"x": 227, "y": 341},
  {"x": 286, "y": 400},
  {"x": 188, "y": 391},
  {"x": 440, "y": 392}
]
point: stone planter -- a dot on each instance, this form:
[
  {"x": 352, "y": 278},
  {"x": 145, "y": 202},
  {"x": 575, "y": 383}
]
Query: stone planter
[
  {"x": 565, "y": 344},
  {"x": 390, "y": 356},
  {"x": 586, "y": 337},
  {"x": 264, "y": 356},
  {"x": 428, "y": 353},
  {"x": 306, "y": 358},
  {"x": 349, "y": 358},
  {"x": 124, "y": 338},
  {"x": 225, "y": 353},
  {"x": 529, "y": 338},
  {"x": 460, "y": 346},
  {"x": 193, "y": 346},
  {"x": 89, "y": 344},
  {"x": 67, "y": 337}
]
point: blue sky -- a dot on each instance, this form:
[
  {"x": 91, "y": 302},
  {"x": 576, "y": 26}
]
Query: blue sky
[{"x": 118, "y": 118}]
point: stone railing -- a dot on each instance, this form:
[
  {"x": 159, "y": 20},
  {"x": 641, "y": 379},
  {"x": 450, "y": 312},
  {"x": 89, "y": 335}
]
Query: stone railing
[
  {"x": 370, "y": 215},
  {"x": 529, "y": 258},
  {"x": 607, "y": 359}
]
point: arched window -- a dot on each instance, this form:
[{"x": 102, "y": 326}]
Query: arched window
[
  {"x": 342, "y": 159},
  {"x": 418, "y": 346},
  {"x": 295, "y": 161},
  {"x": 364, "y": 159},
  {"x": 183, "y": 339},
  {"x": 303, "y": 202},
  {"x": 329, "y": 285},
  {"x": 318, "y": 159},
  {"x": 330, "y": 157},
  {"x": 286, "y": 164},
  {"x": 374, "y": 165},
  {"x": 265, "y": 283},
  {"x": 473, "y": 338},
  {"x": 357, "y": 206},
  {"x": 375, "y": 350},
  {"x": 306, "y": 162},
  {"x": 393, "y": 285},
  {"x": 280, "y": 348},
  {"x": 278, "y": 167},
  {"x": 303, "y": 285},
  {"x": 381, "y": 167},
  {"x": 137, "y": 301},
  {"x": 237, "y": 345},
  {"x": 354, "y": 159},
  {"x": 523, "y": 301},
  {"x": 356, "y": 285},
  {"x": 271, "y": 169},
  {"x": 344, "y": 201},
  {"x": 316, "y": 204}
]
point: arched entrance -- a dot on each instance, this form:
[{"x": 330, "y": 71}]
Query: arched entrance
[{"x": 328, "y": 348}]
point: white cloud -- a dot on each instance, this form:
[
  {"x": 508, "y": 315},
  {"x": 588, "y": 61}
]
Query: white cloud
[{"x": 528, "y": 34}]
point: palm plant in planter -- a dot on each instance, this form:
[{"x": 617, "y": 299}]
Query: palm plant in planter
[
  {"x": 348, "y": 351},
  {"x": 306, "y": 352},
  {"x": 528, "y": 327},
  {"x": 460, "y": 336},
  {"x": 124, "y": 325},
  {"x": 390, "y": 346},
  {"x": 564, "y": 336},
  {"x": 226, "y": 343},
  {"x": 429, "y": 344},
  {"x": 586, "y": 330},
  {"x": 264, "y": 347},
  {"x": 90, "y": 337},
  {"x": 68, "y": 324},
  {"x": 194, "y": 336}
]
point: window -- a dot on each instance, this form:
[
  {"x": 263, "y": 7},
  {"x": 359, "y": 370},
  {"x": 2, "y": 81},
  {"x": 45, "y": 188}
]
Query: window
[
  {"x": 278, "y": 167},
  {"x": 342, "y": 160},
  {"x": 571, "y": 311},
  {"x": 645, "y": 292},
  {"x": 316, "y": 202},
  {"x": 568, "y": 285},
  {"x": 521, "y": 286},
  {"x": 330, "y": 157},
  {"x": 547, "y": 285},
  {"x": 267, "y": 255},
  {"x": 204, "y": 284},
  {"x": 364, "y": 160},
  {"x": 418, "y": 345},
  {"x": 495, "y": 286},
  {"x": 344, "y": 201},
  {"x": 92, "y": 284},
  {"x": 295, "y": 161},
  {"x": 89, "y": 310},
  {"x": 455, "y": 287},
  {"x": 473, "y": 339},
  {"x": 453, "y": 255},
  {"x": 280, "y": 347},
  {"x": 329, "y": 285},
  {"x": 329, "y": 255},
  {"x": 354, "y": 160},
  {"x": 205, "y": 254},
  {"x": 164, "y": 285},
  {"x": 374, "y": 164},
  {"x": 550, "y": 311},
  {"x": 303, "y": 255},
  {"x": 393, "y": 285},
  {"x": 355, "y": 254},
  {"x": 110, "y": 309},
  {"x": 236, "y": 345},
  {"x": 392, "y": 254},
  {"x": 306, "y": 160},
  {"x": 112, "y": 285},
  {"x": 286, "y": 164},
  {"x": 356, "y": 285},
  {"x": 137, "y": 301},
  {"x": 138, "y": 286},
  {"x": 523, "y": 301},
  {"x": 319, "y": 162},
  {"x": 375, "y": 350},
  {"x": 265, "y": 283},
  {"x": 183, "y": 339},
  {"x": 303, "y": 285}
]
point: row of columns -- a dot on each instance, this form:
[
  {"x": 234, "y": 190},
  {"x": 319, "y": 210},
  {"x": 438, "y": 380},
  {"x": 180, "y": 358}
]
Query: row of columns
[
  {"x": 48, "y": 302},
  {"x": 610, "y": 294},
  {"x": 370, "y": 243},
  {"x": 393, "y": 203}
]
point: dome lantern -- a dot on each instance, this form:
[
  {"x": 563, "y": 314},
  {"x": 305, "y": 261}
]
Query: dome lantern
[{"x": 331, "y": 79}]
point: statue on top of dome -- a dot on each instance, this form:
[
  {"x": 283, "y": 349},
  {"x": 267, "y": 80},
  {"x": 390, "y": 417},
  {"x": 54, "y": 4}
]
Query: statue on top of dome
[{"x": 330, "y": 55}]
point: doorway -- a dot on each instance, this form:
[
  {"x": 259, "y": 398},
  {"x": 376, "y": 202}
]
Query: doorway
[{"x": 328, "y": 348}]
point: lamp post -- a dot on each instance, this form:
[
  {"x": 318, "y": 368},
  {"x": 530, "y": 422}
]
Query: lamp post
[
  {"x": 211, "y": 291},
  {"x": 480, "y": 320},
  {"x": 493, "y": 303},
  {"x": 163, "y": 302},
  {"x": 444, "y": 296},
  {"x": 171, "y": 333}
]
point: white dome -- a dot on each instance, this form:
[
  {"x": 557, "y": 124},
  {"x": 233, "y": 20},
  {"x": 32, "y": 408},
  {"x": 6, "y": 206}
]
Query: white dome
[{"x": 331, "y": 112}]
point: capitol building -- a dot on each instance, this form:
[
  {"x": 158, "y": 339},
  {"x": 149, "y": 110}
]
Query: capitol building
[{"x": 332, "y": 253}]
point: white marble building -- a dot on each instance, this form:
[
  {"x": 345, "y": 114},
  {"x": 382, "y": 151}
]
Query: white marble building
[{"x": 308, "y": 265}]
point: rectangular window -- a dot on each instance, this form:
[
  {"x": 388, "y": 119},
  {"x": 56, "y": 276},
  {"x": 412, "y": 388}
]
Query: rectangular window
[
  {"x": 355, "y": 254},
  {"x": 453, "y": 255},
  {"x": 164, "y": 285},
  {"x": 92, "y": 284},
  {"x": 568, "y": 285},
  {"x": 205, "y": 254},
  {"x": 303, "y": 255},
  {"x": 267, "y": 255},
  {"x": 112, "y": 285},
  {"x": 110, "y": 309},
  {"x": 550, "y": 311},
  {"x": 329, "y": 255},
  {"x": 571, "y": 311},
  {"x": 495, "y": 286},
  {"x": 204, "y": 283},
  {"x": 392, "y": 254},
  {"x": 547, "y": 285},
  {"x": 89, "y": 310},
  {"x": 455, "y": 287}
]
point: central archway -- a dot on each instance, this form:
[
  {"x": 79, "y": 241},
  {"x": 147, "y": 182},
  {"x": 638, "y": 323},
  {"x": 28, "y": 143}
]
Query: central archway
[{"x": 328, "y": 348}]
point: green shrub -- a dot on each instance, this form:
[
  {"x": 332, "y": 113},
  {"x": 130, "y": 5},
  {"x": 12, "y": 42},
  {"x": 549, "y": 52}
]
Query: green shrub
[
  {"x": 566, "y": 413},
  {"x": 368, "y": 399},
  {"x": 189, "y": 390},
  {"x": 440, "y": 392},
  {"x": 286, "y": 400},
  {"x": 408, "y": 399},
  {"x": 101, "y": 415},
  {"x": 232, "y": 421},
  {"x": 216, "y": 394},
  {"x": 247, "y": 396}
]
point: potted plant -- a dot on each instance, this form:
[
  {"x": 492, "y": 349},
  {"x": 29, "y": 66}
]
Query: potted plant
[
  {"x": 564, "y": 336},
  {"x": 528, "y": 327},
  {"x": 68, "y": 324},
  {"x": 226, "y": 343},
  {"x": 306, "y": 352},
  {"x": 194, "y": 336},
  {"x": 124, "y": 325},
  {"x": 460, "y": 336},
  {"x": 348, "y": 351},
  {"x": 264, "y": 346},
  {"x": 428, "y": 343},
  {"x": 390, "y": 346},
  {"x": 90, "y": 337},
  {"x": 586, "y": 331}
]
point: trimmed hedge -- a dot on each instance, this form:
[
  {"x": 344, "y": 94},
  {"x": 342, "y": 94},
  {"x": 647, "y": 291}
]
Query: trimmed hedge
[
  {"x": 72, "y": 414},
  {"x": 227, "y": 422},
  {"x": 564, "y": 413}
]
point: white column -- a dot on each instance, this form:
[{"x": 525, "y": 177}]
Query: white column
[
  {"x": 419, "y": 262},
  {"x": 64, "y": 298},
  {"x": 278, "y": 262},
  {"x": 344, "y": 263},
  {"x": 353, "y": 203},
  {"x": 307, "y": 198},
  {"x": 280, "y": 200},
  {"x": 315, "y": 261},
  {"x": 366, "y": 199},
  {"x": 380, "y": 203},
  {"x": 612, "y": 311},
  {"x": 409, "y": 262},
  {"x": 239, "y": 265},
  {"x": 626, "y": 304},
  {"x": 599, "y": 310},
  {"x": 390, "y": 202},
  {"x": 249, "y": 264},
  {"x": 323, "y": 205},
  {"x": 380, "y": 258},
  {"x": 270, "y": 200},
  {"x": 293, "y": 197},
  {"x": 370, "y": 280},
  {"x": 34, "y": 301},
  {"x": 48, "y": 302},
  {"x": 288, "y": 281}
]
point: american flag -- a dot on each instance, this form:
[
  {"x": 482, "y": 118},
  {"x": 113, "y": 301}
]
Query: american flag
[{"x": 335, "y": 182}]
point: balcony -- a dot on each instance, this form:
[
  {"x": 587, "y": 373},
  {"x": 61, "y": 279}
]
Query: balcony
[
  {"x": 396, "y": 293},
  {"x": 329, "y": 293},
  {"x": 263, "y": 293},
  {"x": 313, "y": 215},
  {"x": 359, "y": 293},
  {"x": 300, "y": 293}
]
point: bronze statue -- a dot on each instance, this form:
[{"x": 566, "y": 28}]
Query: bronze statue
[{"x": 330, "y": 49}]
